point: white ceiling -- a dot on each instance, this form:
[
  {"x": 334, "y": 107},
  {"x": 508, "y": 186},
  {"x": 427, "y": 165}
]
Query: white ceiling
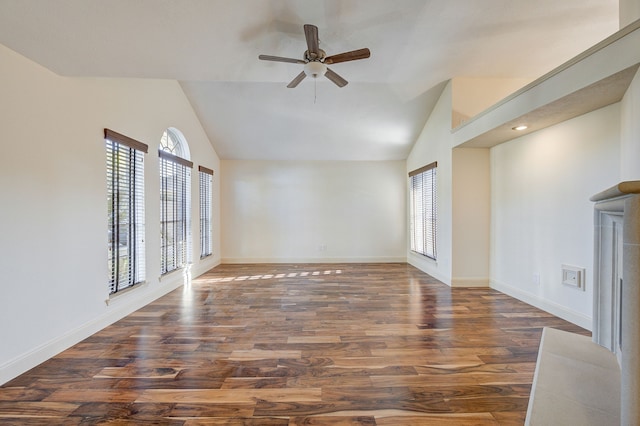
[{"x": 211, "y": 47}]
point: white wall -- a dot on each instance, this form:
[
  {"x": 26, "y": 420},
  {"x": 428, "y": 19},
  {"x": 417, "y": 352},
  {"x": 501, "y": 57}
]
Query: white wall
[
  {"x": 541, "y": 213},
  {"x": 630, "y": 132},
  {"x": 435, "y": 144},
  {"x": 537, "y": 199},
  {"x": 286, "y": 211},
  {"x": 53, "y": 248}
]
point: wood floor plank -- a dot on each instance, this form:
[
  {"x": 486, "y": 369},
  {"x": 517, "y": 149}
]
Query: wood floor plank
[
  {"x": 481, "y": 419},
  {"x": 209, "y": 411},
  {"x": 138, "y": 373},
  {"x": 235, "y": 396},
  {"x": 297, "y": 344},
  {"x": 36, "y": 409},
  {"x": 256, "y": 383},
  {"x": 22, "y": 393},
  {"x": 95, "y": 395},
  {"x": 425, "y": 380},
  {"x": 334, "y": 421},
  {"x": 313, "y": 339},
  {"x": 238, "y": 421},
  {"x": 257, "y": 354}
]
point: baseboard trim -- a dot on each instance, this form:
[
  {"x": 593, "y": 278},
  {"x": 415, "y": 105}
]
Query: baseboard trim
[
  {"x": 470, "y": 282},
  {"x": 240, "y": 260},
  {"x": 429, "y": 267},
  {"x": 205, "y": 267},
  {"x": 38, "y": 355},
  {"x": 546, "y": 305}
]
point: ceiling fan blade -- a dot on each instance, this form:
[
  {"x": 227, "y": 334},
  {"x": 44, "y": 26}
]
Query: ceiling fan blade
[
  {"x": 281, "y": 59},
  {"x": 348, "y": 56},
  {"x": 313, "y": 43},
  {"x": 296, "y": 80},
  {"x": 339, "y": 81}
]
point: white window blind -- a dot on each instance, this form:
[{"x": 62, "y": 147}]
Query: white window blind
[
  {"x": 175, "y": 211},
  {"x": 423, "y": 206},
  {"x": 125, "y": 210},
  {"x": 206, "y": 181}
]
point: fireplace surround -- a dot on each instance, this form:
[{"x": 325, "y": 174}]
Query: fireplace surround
[{"x": 616, "y": 309}]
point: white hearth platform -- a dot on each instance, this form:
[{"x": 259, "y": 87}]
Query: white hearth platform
[{"x": 576, "y": 382}]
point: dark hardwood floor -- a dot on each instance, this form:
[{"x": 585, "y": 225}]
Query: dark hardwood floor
[{"x": 334, "y": 344}]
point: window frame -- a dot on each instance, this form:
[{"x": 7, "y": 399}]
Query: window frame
[
  {"x": 423, "y": 208},
  {"x": 175, "y": 200},
  {"x": 205, "y": 177},
  {"x": 125, "y": 210}
]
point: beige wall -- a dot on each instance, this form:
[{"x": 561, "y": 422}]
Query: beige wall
[
  {"x": 471, "y": 217},
  {"x": 313, "y": 211},
  {"x": 629, "y": 12},
  {"x": 472, "y": 95}
]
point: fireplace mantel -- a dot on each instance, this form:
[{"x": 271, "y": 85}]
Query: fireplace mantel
[{"x": 619, "y": 190}]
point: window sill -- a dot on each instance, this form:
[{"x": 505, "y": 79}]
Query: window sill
[
  {"x": 119, "y": 296},
  {"x": 423, "y": 256},
  {"x": 171, "y": 273},
  {"x": 185, "y": 271}
]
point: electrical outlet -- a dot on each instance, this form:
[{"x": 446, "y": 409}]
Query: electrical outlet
[{"x": 535, "y": 279}]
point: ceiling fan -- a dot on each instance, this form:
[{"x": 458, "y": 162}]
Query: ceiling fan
[{"x": 315, "y": 59}]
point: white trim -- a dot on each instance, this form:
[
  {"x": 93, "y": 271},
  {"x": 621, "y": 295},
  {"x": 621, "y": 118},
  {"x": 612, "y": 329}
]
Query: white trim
[
  {"x": 470, "y": 282},
  {"x": 428, "y": 266},
  {"x": 203, "y": 266},
  {"x": 544, "y": 304}
]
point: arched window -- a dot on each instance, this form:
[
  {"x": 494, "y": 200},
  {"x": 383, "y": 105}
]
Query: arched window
[
  {"x": 175, "y": 201},
  {"x": 173, "y": 142}
]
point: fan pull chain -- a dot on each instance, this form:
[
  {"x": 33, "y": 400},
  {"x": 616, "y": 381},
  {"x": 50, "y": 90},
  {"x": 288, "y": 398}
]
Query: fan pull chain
[{"x": 315, "y": 90}]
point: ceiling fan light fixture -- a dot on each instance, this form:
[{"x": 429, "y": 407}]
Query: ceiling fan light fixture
[{"x": 315, "y": 69}]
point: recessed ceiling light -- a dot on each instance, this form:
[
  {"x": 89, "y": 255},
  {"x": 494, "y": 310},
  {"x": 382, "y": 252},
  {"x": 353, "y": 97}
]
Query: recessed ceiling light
[{"x": 520, "y": 127}]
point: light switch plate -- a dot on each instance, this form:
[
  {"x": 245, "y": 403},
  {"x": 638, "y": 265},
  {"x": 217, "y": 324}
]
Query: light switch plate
[{"x": 573, "y": 276}]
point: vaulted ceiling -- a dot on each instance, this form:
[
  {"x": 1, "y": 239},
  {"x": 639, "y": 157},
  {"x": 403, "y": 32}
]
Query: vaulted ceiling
[{"x": 211, "y": 47}]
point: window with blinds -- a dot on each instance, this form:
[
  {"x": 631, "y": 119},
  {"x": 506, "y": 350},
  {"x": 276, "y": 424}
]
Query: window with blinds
[
  {"x": 175, "y": 211},
  {"x": 423, "y": 206},
  {"x": 125, "y": 210},
  {"x": 206, "y": 182}
]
